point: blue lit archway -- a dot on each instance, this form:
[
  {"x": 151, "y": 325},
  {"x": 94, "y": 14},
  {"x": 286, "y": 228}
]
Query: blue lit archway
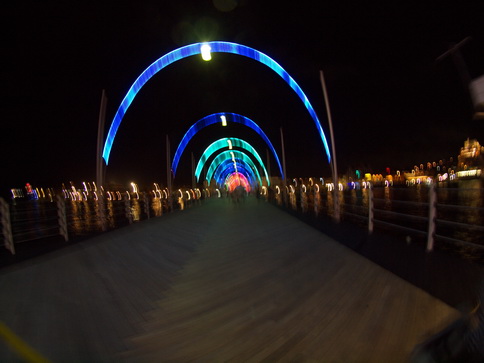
[
  {"x": 217, "y": 118},
  {"x": 234, "y": 155},
  {"x": 228, "y": 166},
  {"x": 194, "y": 49}
]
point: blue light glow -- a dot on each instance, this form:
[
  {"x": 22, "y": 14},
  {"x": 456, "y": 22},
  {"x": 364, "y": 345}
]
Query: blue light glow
[
  {"x": 216, "y": 118},
  {"x": 227, "y": 167},
  {"x": 194, "y": 49},
  {"x": 224, "y": 155}
]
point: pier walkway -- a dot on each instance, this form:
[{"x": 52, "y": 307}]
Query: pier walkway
[{"x": 217, "y": 282}]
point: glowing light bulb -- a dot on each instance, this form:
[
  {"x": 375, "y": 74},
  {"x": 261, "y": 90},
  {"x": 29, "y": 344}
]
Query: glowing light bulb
[{"x": 205, "y": 52}]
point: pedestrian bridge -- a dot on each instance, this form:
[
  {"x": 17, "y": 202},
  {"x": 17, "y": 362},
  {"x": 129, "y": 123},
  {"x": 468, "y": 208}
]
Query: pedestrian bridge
[{"x": 217, "y": 282}]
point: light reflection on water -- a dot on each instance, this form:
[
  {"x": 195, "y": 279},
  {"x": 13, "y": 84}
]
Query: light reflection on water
[{"x": 84, "y": 217}]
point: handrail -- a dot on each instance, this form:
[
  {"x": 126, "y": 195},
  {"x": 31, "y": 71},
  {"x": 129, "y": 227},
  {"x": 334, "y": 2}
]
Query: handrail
[
  {"x": 418, "y": 211},
  {"x": 355, "y": 215},
  {"x": 410, "y": 216},
  {"x": 455, "y": 206},
  {"x": 459, "y": 241},
  {"x": 32, "y": 220},
  {"x": 398, "y": 201},
  {"x": 460, "y": 224},
  {"x": 400, "y": 226}
]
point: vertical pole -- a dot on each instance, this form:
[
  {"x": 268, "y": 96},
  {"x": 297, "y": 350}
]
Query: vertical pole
[
  {"x": 168, "y": 173},
  {"x": 101, "y": 210},
  {"x": 6, "y": 226},
  {"x": 194, "y": 184},
  {"x": 432, "y": 216},
  {"x": 127, "y": 210},
  {"x": 100, "y": 139},
  {"x": 334, "y": 169},
  {"x": 283, "y": 167},
  {"x": 146, "y": 205},
  {"x": 100, "y": 160},
  {"x": 61, "y": 217},
  {"x": 370, "y": 210},
  {"x": 268, "y": 167}
]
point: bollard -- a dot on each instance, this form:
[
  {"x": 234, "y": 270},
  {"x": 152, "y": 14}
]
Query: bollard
[
  {"x": 432, "y": 216},
  {"x": 102, "y": 213},
  {"x": 127, "y": 210},
  {"x": 147, "y": 205},
  {"x": 61, "y": 217},
  {"x": 6, "y": 226}
]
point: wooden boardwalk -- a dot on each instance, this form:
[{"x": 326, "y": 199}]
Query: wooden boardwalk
[{"x": 215, "y": 283}]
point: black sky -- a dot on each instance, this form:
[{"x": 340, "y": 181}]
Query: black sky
[{"x": 392, "y": 104}]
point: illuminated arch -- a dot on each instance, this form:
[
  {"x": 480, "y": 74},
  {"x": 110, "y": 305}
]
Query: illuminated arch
[
  {"x": 217, "y": 118},
  {"x": 224, "y": 155},
  {"x": 194, "y": 49},
  {"x": 222, "y": 169},
  {"x": 235, "y": 179},
  {"x": 228, "y": 166},
  {"x": 222, "y": 144},
  {"x": 241, "y": 170}
]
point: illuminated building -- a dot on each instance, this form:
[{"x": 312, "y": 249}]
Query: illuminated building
[{"x": 470, "y": 159}]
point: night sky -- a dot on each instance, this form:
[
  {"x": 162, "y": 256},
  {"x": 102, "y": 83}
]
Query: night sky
[{"x": 392, "y": 104}]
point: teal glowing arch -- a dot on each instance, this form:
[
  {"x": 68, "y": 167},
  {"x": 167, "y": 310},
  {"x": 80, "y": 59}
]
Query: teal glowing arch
[
  {"x": 223, "y": 143},
  {"x": 194, "y": 49},
  {"x": 217, "y": 118},
  {"x": 224, "y": 155}
]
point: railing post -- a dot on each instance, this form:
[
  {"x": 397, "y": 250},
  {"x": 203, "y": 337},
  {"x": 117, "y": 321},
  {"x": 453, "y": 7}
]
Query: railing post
[
  {"x": 6, "y": 225},
  {"x": 101, "y": 212},
  {"x": 432, "y": 216},
  {"x": 147, "y": 205},
  {"x": 370, "y": 210},
  {"x": 127, "y": 210},
  {"x": 61, "y": 217}
]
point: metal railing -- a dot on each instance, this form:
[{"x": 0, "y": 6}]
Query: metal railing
[
  {"x": 30, "y": 220},
  {"x": 412, "y": 210}
]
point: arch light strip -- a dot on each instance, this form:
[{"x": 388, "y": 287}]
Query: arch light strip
[
  {"x": 224, "y": 155},
  {"x": 227, "y": 166},
  {"x": 221, "y": 168},
  {"x": 222, "y": 144},
  {"x": 194, "y": 49},
  {"x": 216, "y": 118}
]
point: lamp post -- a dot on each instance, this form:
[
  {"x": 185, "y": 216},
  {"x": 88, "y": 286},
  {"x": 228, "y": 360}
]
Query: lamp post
[
  {"x": 284, "y": 183},
  {"x": 334, "y": 168},
  {"x": 99, "y": 159}
]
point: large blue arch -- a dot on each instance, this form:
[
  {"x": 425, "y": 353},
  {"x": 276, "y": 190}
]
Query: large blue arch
[
  {"x": 194, "y": 49},
  {"x": 216, "y": 118}
]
